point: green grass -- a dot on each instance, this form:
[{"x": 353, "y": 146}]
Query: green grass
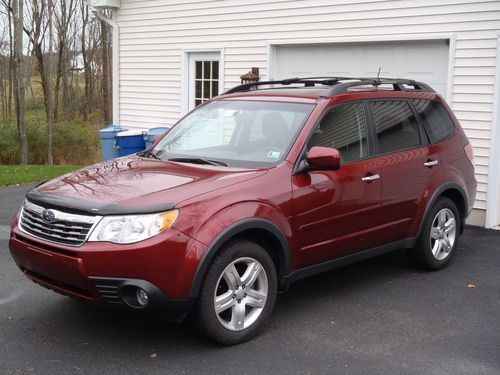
[{"x": 19, "y": 174}]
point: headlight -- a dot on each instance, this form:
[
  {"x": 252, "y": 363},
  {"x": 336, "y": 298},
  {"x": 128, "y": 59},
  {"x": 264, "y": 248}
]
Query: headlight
[{"x": 132, "y": 228}]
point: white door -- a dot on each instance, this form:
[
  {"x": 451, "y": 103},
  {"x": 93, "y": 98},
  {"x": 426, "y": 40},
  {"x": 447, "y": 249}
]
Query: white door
[
  {"x": 426, "y": 61},
  {"x": 204, "y": 77}
]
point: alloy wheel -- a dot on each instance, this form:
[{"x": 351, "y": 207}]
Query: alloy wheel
[
  {"x": 443, "y": 233},
  {"x": 240, "y": 294}
]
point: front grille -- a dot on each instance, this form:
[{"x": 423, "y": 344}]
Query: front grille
[{"x": 66, "y": 228}]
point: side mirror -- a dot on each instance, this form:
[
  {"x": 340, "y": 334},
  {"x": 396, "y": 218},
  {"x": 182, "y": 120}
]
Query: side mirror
[{"x": 323, "y": 158}]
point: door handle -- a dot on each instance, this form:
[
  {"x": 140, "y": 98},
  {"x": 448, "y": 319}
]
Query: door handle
[
  {"x": 431, "y": 163},
  {"x": 370, "y": 178}
]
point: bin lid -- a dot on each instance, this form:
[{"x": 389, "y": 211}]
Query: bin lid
[
  {"x": 112, "y": 129},
  {"x": 131, "y": 133},
  {"x": 158, "y": 131}
]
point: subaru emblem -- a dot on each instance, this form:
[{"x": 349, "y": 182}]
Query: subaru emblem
[{"x": 48, "y": 216}]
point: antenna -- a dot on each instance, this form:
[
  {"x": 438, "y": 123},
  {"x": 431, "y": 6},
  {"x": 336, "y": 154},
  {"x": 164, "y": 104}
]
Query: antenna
[{"x": 378, "y": 74}]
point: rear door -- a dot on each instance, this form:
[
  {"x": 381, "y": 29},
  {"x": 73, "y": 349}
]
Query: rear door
[
  {"x": 337, "y": 212},
  {"x": 406, "y": 164}
]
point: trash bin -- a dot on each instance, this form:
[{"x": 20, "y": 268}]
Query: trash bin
[
  {"x": 130, "y": 142},
  {"x": 107, "y": 137},
  {"x": 153, "y": 133}
]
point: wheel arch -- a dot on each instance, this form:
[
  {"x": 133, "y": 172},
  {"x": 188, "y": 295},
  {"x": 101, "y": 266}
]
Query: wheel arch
[
  {"x": 454, "y": 192},
  {"x": 262, "y": 231}
]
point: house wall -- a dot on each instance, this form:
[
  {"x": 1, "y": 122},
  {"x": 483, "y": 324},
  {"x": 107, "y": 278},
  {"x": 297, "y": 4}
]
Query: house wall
[{"x": 155, "y": 33}]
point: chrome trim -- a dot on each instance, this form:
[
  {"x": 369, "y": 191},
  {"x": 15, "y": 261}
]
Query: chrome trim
[
  {"x": 431, "y": 163},
  {"x": 371, "y": 178},
  {"x": 35, "y": 223}
]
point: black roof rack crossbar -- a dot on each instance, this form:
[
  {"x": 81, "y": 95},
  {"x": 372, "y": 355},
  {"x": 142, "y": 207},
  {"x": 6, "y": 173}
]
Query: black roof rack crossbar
[{"x": 337, "y": 86}]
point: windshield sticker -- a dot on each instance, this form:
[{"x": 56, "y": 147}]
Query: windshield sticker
[{"x": 274, "y": 154}]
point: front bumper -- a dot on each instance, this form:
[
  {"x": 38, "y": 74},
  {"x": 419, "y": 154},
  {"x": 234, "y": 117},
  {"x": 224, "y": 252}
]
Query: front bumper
[{"x": 107, "y": 274}]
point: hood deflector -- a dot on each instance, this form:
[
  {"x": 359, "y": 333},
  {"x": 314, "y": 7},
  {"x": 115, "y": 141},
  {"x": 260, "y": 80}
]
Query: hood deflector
[{"x": 81, "y": 206}]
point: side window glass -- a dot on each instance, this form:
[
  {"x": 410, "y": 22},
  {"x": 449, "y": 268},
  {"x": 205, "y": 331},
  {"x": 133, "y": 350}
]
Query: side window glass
[
  {"x": 343, "y": 128},
  {"x": 436, "y": 121},
  {"x": 396, "y": 126}
]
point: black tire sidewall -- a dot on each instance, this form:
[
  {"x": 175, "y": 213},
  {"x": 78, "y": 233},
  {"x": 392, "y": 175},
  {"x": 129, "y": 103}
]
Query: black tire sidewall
[{"x": 207, "y": 321}]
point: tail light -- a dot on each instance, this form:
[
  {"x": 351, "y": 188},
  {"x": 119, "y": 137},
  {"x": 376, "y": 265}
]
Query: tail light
[{"x": 469, "y": 151}]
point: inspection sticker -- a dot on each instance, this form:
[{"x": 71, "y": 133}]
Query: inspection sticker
[{"x": 274, "y": 154}]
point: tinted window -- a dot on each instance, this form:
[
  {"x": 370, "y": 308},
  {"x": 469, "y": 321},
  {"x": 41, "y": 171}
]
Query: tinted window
[
  {"x": 396, "y": 126},
  {"x": 343, "y": 128},
  {"x": 436, "y": 121}
]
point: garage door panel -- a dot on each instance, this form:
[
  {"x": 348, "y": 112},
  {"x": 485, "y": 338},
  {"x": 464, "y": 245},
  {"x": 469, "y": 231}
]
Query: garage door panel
[{"x": 421, "y": 60}]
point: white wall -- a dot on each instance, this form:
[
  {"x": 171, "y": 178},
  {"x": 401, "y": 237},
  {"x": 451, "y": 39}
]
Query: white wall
[{"x": 154, "y": 33}]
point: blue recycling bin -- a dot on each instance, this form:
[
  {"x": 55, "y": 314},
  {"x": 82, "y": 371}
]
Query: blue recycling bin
[
  {"x": 153, "y": 133},
  {"x": 107, "y": 137},
  {"x": 130, "y": 142}
]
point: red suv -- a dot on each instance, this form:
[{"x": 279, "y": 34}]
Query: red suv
[{"x": 269, "y": 183}]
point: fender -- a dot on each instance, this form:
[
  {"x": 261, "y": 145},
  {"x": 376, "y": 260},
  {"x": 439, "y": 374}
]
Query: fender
[
  {"x": 231, "y": 231},
  {"x": 435, "y": 196}
]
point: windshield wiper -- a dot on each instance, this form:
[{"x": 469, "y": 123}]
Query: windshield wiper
[
  {"x": 149, "y": 154},
  {"x": 198, "y": 161}
]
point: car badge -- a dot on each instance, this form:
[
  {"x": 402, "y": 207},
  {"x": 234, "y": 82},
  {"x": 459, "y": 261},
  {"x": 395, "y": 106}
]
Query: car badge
[{"x": 48, "y": 216}]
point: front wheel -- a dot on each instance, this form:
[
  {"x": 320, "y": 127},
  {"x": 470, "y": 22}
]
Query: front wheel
[
  {"x": 439, "y": 236},
  {"x": 238, "y": 293}
]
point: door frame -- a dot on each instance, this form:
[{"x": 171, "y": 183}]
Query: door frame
[
  {"x": 185, "y": 78},
  {"x": 273, "y": 45}
]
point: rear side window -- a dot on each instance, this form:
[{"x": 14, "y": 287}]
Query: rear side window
[
  {"x": 396, "y": 126},
  {"x": 343, "y": 128},
  {"x": 436, "y": 121}
]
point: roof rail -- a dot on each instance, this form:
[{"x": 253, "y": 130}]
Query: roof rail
[
  {"x": 398, "y": 84},
  {"x": 338, "y": 86}
]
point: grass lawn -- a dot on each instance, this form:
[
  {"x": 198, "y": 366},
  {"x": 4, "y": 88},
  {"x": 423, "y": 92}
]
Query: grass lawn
[{"x": 22, "y": 174}]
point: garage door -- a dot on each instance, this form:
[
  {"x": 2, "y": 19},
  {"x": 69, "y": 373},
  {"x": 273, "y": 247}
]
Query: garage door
[{"x": 426, "y": 61}]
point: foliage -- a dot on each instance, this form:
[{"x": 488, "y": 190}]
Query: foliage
[
  {"x": 21, "y": 174},
  {"x": 55, "y": 65},
  {"x": 75, "y": 143}
]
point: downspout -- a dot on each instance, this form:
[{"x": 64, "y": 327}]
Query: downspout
[{"x": 116, "y": 63}]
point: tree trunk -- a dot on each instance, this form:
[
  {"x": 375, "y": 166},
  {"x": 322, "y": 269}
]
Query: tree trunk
[
  {"x": 48, "y": 100},
  {"x": 11, "y": 63},
  {"x": 3, "y": 91},
  {"x": 19, "y": 83},
  {"x": 87, "y": 67}
]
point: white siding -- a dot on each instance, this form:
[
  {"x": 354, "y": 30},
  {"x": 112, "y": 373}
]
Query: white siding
[{"x": 154, "y": 33}]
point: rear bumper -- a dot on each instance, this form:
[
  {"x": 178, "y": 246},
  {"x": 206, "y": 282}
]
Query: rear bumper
[{"x": 109, "y": 275}]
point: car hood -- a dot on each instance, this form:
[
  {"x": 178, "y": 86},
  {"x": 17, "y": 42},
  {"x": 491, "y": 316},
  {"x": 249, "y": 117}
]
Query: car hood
[{"x": 135, "y": 185}]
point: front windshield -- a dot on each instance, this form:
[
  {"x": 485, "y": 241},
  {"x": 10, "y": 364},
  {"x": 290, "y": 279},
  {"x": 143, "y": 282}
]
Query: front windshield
[{"x": 237, "y": 133}]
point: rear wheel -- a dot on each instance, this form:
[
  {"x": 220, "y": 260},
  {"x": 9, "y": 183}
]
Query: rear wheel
[
  {"x": 439, "y": 236},
  {"x": 238, "y": 293}
]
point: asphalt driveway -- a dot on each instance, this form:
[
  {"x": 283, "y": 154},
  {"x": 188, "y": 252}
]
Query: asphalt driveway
[{"x": 380, "y": 316}]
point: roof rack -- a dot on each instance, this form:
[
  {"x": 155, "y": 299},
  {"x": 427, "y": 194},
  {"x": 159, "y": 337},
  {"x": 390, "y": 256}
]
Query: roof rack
[{"x": 339, "y": 85}]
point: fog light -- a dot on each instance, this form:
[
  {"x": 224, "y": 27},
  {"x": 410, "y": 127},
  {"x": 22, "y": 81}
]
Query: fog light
[{"x": 142, "y": 297}]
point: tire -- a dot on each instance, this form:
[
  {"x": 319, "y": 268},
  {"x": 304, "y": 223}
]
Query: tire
[
  {"x": 439, "y": 236},
  {"x": 231, "y": 310}
]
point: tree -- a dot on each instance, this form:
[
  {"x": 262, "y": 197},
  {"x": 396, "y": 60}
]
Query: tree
[{"x": 19, "y": 82}]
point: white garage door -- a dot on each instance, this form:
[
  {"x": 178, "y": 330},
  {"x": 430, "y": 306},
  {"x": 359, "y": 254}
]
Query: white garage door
[{"x": 426, "y": 61}]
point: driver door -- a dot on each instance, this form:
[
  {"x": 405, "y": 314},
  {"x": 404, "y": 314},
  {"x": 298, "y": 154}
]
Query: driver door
[{"x": 336, "y": 213}]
